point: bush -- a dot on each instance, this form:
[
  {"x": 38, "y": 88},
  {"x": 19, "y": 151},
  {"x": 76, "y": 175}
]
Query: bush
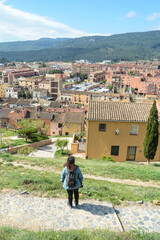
[
  {"x": 108, "y": 159},
  {"x": 36, "y": 138},
  {"x": 61, "y": 144},
  {"x": 59, "y": 153},
  {"x": 26, "y": 150},
  {"x": 7, "y": 157},
  {"x": 2, "y": 145},
  {"x": 9, "y": 164}
]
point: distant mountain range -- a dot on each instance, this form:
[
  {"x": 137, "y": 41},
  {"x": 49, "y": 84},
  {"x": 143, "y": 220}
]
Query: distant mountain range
[{"x": 127, "y": 46}]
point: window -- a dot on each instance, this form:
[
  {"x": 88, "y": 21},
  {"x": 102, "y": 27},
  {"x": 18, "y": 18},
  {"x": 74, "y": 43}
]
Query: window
[
  {"x": 134, "y": 130},
  {"x": 115, "y": 150},
  {"x": 102, "y": 127}
]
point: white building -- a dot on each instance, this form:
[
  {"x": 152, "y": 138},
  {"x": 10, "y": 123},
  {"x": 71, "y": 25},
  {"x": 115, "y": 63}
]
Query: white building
[{"x": 11, "y": 92}]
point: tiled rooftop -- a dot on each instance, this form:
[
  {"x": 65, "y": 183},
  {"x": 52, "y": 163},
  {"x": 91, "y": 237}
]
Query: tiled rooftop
[{"x": 116, "y": 111}]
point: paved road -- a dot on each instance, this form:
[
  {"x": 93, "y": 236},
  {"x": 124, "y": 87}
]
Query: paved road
[
  {"x": 49, "y": 150},
  {"x": 34, "y": 213}
]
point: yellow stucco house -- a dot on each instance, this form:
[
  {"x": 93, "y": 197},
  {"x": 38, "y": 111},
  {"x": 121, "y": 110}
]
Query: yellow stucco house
[
  {"x": 117, "y": 129},
  {"x": 2, "y": 89},
  {"x": 72, "y": 123}
]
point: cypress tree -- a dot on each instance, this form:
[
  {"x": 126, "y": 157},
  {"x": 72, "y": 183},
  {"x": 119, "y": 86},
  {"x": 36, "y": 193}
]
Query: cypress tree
[{"x": 152, "y": 133}]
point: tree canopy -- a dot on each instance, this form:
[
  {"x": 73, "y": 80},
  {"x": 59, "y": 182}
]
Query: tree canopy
[{"x": 152, "y": 134}]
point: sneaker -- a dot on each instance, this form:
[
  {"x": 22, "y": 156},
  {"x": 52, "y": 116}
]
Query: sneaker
[{"x": 69, "y": 204}]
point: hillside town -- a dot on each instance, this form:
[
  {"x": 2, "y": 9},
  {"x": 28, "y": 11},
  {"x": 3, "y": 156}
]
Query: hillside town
[{"x": 60, "y": 94}]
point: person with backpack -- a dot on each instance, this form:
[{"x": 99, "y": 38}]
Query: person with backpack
[{"x": 72, "y": 179}]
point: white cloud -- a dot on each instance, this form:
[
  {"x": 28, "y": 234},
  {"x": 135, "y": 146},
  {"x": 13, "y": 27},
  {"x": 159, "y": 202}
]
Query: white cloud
[
  {"x": 19, "y": 25},
  {"x": 154, "y": 16},
  {"x": 130, "y": 14}
]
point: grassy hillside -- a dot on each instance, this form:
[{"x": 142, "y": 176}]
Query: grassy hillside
[
  {"x": 41, "y": 177},
  {"x": 128, "y": 46}
]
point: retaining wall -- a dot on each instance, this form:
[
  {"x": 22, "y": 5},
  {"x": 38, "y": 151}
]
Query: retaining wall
[{"x": 35, "y": 145}]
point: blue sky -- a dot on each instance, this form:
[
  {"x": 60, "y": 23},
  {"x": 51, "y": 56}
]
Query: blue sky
[{"x": 33, "y": 19}]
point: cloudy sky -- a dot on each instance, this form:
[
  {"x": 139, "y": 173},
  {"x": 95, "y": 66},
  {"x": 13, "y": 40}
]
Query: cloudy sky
[{"x": 34, "y": 19}]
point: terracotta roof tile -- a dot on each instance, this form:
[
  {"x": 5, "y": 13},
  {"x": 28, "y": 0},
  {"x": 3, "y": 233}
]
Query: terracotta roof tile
[{"x": 116, "y": 111}]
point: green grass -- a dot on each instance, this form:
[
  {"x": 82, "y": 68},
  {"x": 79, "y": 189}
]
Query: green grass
[
  {"x": 17, "y": 142},
  {"x": 8, "y": 132},
  {"x": 63, "y": 136},
  {"x": 7, "y": 233},
  {"x": 98, "y": 167},
  {"x": 59, "y": 153},
  {"x": 48, "y": 184},
  {"x": 13, "y": 143}
]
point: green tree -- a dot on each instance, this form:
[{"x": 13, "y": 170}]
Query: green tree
[
  {"x": 131, "y": 73},
  {"x": 60, "y": 71},
  {"x": 61, "y": 144},
  {"x": 151, "y": 139},
  {"x": 41, "y": 127},
  {"x": 110, "y": 87},
  {"x": 22, "y": 94},
  {"x": 132, "y": 90},
  {"x": 27, "y": 132},
  {"x": 26, "y": 123}
]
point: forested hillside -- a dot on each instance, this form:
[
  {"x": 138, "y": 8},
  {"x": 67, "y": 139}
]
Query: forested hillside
[{"x": 128, "y": 46}]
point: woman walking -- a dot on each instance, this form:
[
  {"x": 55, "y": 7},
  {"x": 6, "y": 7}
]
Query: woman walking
[{"x": 72, "y": 179}]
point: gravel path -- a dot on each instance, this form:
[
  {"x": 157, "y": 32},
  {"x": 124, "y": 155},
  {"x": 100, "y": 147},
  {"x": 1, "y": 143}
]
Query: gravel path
[{"x": 35, "y": 213}]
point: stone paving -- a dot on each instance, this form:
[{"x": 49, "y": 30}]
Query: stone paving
[
  {"x": 49, "y": 150},
  {"x": 145, "y": 218},
  {"x": 35, "y": 213},
  {"x": 42, "y": 213}
]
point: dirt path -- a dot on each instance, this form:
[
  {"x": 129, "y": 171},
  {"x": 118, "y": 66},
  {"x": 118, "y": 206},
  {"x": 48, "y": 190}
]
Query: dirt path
[{"x": 114, "y": 180}]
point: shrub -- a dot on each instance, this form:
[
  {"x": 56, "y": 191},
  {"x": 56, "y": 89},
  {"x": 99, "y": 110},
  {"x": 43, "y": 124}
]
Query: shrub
[
  {"x": 108, "y": 159},
  {"x": 59, "y": 153},
  {"x": 36, "y": 138},
  {"x": 7, "y": 157},
  {"x": 9, "y": 164},
  {"x": 61, "y": 144},
  {"x": 26, "y": 150},
  {"x": 2, "y": 145}
]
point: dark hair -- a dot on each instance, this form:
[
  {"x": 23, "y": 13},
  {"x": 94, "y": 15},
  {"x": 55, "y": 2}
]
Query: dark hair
[
  {"x": 70, "y": 160},
  {"x": 70, "y": 164}
]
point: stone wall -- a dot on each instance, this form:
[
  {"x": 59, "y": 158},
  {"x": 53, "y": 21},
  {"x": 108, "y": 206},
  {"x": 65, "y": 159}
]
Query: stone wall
[{"x": 35, "y": 145}]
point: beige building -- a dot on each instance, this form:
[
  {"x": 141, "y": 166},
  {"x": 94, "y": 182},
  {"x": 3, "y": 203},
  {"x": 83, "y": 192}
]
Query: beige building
[
  {"x": 44, "y": 85},
  {"x": 2, "y": 89},
  {"x": 73, "y": 122},
  {"x": 98, "y": 76},
  {"x": 55, "y": 85},
  {"x": 30, "y": 83}
]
